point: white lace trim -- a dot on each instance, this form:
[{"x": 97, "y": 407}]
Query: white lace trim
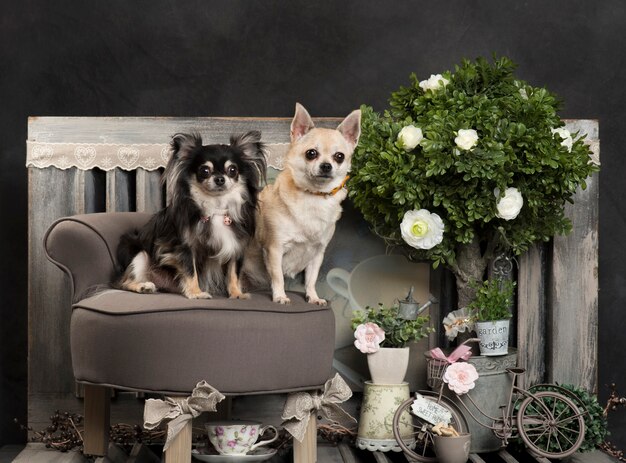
[
  {"x": 382, "y": 445},
  {"x": 109, "y": 156}
]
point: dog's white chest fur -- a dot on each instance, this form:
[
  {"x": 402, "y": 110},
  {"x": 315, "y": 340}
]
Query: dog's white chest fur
[
  {"x": 307, "y": 230},
  {"x": 217, "y": 212}
]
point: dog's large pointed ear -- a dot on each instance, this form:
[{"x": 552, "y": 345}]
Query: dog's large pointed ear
[
  {"x": 254, "y": 151},
  {"x": 183, "y": 144},
  {"x": 301, "y": 123},
  {"x": 350, "y": 127}
]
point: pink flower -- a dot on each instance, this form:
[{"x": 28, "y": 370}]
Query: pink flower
[
  {"x": 232, "y": 444},
  {"x": 219, "y": 431},
  {"x": 368, "y": 337},
  {"x": 460, "y": 377}
]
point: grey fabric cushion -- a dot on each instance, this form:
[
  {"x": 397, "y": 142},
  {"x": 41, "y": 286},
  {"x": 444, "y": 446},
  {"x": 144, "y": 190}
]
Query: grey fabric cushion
[{"x": 167, "y": 343}]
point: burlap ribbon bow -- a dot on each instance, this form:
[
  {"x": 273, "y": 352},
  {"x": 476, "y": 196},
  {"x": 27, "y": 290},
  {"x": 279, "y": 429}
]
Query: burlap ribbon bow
[
  {"x": 300, "y": 405},
  {"x": 204, "y": 398}
]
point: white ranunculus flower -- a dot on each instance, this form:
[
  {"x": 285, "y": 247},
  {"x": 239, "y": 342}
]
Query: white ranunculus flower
[
  {"x": 466, "y": 139},
  {"x": 566, "y": 136},
  {"x": 434, "y": 82},
  {"x": 421, "y": 229},
  {"x": 410, "y": 136},
  {"x": 510, "y": 205}
]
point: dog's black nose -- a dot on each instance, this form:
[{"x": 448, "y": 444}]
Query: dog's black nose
[
  {"x": 326, "y": 167},
  {"x": 219, "y": 180}
]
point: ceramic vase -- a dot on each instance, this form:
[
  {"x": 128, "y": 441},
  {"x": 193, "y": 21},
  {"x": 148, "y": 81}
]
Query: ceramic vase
[
  {"x": 494, "y": 337},
  {"x": 388, "y": 365},
  {"x": 380, "y": 402}
]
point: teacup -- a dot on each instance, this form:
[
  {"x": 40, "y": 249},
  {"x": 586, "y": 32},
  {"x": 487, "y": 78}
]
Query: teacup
[{"x": 237, "y": 437}]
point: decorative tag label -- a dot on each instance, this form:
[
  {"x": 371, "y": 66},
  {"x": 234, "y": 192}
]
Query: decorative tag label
[{"x": 430, "y": 411}]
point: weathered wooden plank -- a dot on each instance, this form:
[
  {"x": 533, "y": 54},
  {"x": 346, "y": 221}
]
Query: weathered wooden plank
[
  {"x": 149, "y": 192},
  {"x": 573, "y": 305},
  {"x": 589, "y": 127},
  {"x": 531, "y": 315},
  {"x": 97, "y": 420},
  {"x": 179, "y": 450},
  {"x": 306, "y": 451},
  {"x": 158, "y": 129},
  {"x": 507, "y": 457},
  {"x": 120, "y": 191},
  {"x": 475, "y": 458},
  {"x": 49, "y": 297}
]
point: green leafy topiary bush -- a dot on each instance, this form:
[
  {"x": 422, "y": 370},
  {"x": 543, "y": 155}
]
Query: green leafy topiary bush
[{"x": 466, "y": 163}]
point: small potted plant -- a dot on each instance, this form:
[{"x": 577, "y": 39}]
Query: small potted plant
[
  {"x": 381, "y": 334},
  {"x": 491, "y": 311}
]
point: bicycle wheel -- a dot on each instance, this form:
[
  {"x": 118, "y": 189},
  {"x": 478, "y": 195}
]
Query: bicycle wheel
[
  {"x": 550, "y": 424},
  {"x": 404, "y": 419}
]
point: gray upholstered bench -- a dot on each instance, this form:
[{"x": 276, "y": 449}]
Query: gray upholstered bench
[{"x": 166, "y": 343}]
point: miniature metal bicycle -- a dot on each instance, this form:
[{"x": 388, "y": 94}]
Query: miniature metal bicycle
[{"x": 550, "y": 423}]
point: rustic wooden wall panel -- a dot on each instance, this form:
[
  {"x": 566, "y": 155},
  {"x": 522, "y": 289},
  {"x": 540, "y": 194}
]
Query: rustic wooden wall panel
[
  {"x": 149, "y": 193},
  {"x": 53, "y": 193},
  {"x": 573, "y": 287},
  {"x": 119, "y": 191},
  {"x": 570, "y": 346},
  {"x": 531, "y": 316},
  {"x": 558, "y": 292}
]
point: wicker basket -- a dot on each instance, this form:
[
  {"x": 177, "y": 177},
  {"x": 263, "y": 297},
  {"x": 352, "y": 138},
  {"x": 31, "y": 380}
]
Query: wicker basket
[{"x": 434, "y": 371}]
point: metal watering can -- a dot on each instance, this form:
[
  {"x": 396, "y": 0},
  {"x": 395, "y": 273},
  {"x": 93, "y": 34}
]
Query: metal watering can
[{"x": 410, "y": 309}]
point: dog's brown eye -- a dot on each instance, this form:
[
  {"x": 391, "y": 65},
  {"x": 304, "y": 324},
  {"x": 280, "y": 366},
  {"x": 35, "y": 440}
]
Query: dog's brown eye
[
  {"x": 204, "y": 172},
  {"x": 339, "y": 157},
  {"x": 311, "y": 154},
  {"x": 232, "y": 171}
]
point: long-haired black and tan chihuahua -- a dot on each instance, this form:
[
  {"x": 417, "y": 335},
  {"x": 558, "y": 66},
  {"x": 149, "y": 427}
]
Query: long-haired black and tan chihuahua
[{"x": 195, "y": 245}]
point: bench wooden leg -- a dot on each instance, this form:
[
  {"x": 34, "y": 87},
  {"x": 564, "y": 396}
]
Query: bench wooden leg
[
  {"x": 306, "y": 451},
  {"x": 97, "y": 408},
  {"x": 179, "y": 450}
]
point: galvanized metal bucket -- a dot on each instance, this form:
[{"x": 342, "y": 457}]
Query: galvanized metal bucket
[{"x": 490, "y": 393}]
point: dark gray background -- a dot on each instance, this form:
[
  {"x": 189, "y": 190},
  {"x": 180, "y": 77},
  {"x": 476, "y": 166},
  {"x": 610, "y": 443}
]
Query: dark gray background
[{"x": 253, "y": 58}]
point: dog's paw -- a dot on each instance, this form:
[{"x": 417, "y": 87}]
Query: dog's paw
[
  {"x": 282, "y": 300},
  {"x": 142, "y": 287},
  {"x": 200, "y": 295},
  {"x": 147, "y": 287},
  {"x": 240, "y": 296},
  {"x": 316, "y": 301}
]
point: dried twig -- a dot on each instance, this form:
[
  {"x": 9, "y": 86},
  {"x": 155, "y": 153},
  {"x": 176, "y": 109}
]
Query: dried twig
[{"x": 612, "y": 404}]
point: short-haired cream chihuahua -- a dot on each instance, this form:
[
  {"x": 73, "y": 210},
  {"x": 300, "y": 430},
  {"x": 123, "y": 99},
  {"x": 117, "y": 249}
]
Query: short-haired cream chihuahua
[{"x": 296, "y": 215}]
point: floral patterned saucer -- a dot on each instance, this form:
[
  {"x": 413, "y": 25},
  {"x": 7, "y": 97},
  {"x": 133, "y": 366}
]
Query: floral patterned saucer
[{"x": 256, "y": 455}]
